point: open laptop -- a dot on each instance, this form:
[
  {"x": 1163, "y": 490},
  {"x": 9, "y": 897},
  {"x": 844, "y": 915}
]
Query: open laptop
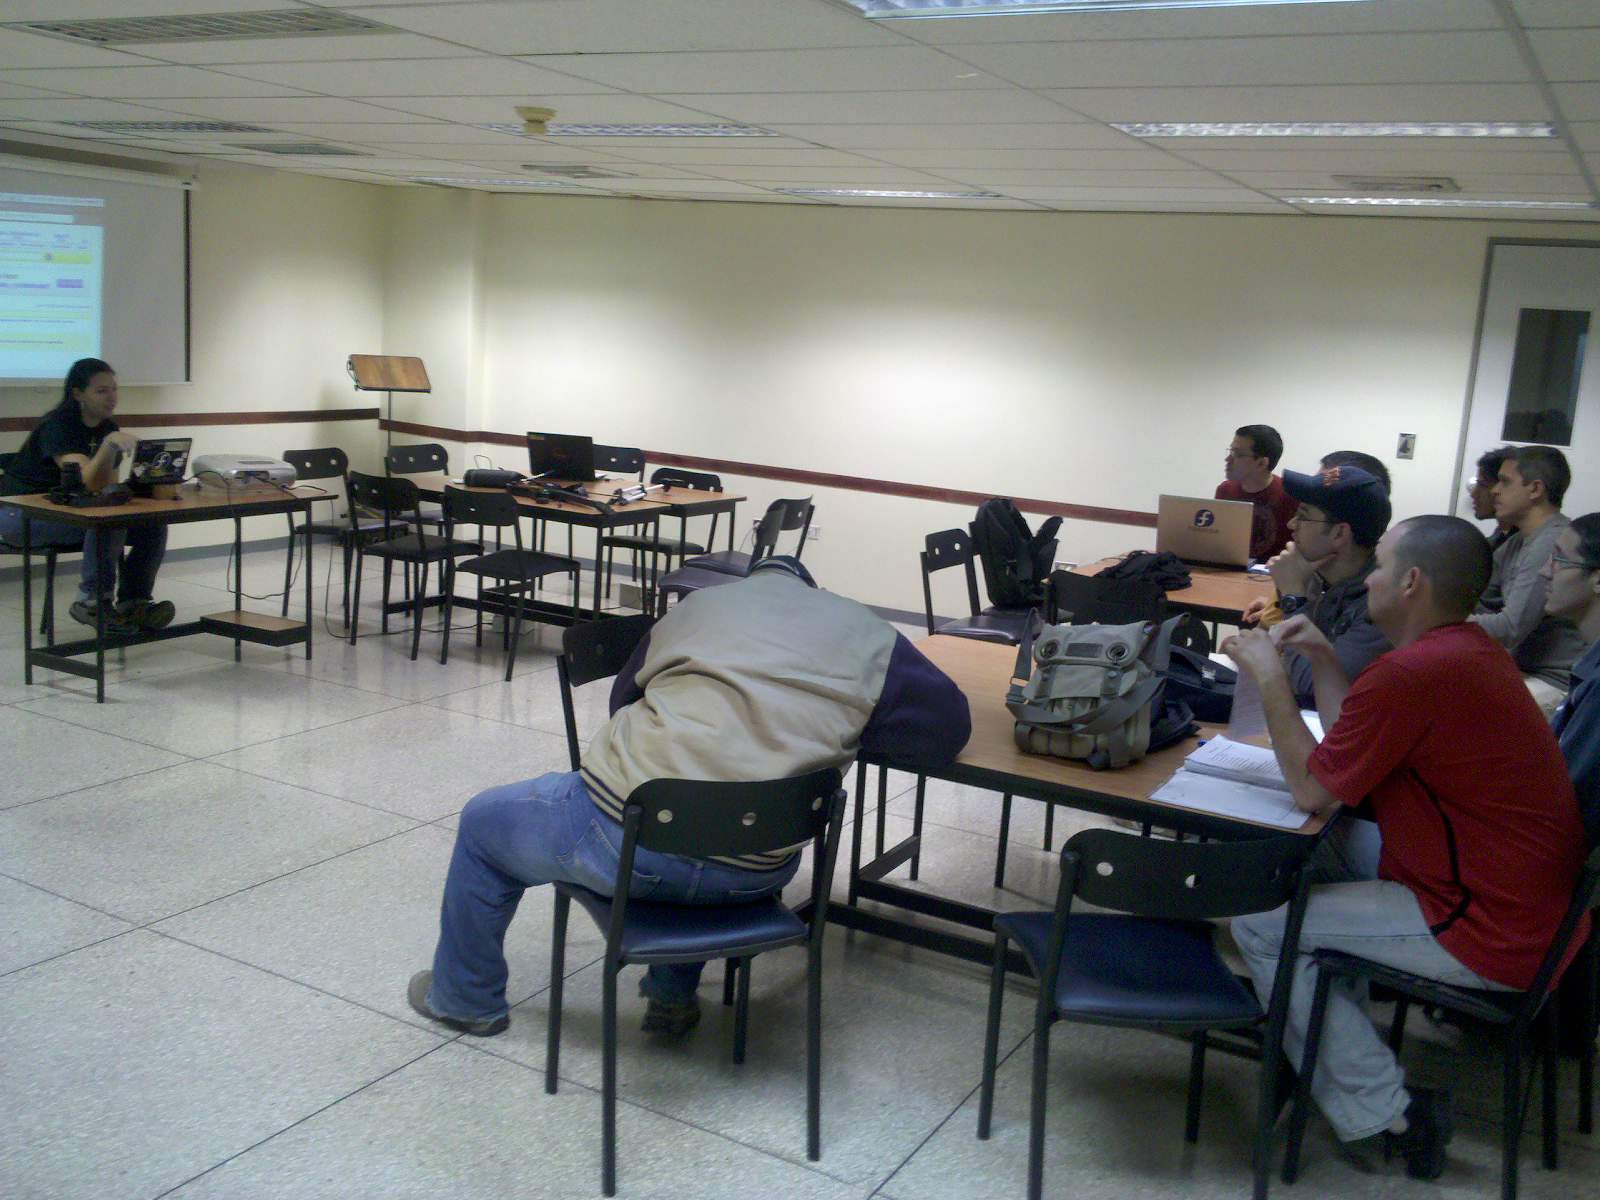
[
  {"x": 1203, "y": 531},
  {"x": 160, "y": 461},
  {"x": 561, "y": 456}
]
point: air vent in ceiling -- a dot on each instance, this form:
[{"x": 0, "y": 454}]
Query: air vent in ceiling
[
  {"x": 1398, "y": 185},
  {"x": 300, "y": 148},
  {"x": 199, "y": 27},
  {"x": 575, "y": 171},
  {"x": 166, "y": 126}
]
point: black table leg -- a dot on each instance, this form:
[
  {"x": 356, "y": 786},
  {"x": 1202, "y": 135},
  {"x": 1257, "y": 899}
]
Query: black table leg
[
  {"x": 27, "y": 597},
  {"x": 238, "y": 580},
  {"x": 104, "y": 568},
  {"x": 308, "y": 583}
]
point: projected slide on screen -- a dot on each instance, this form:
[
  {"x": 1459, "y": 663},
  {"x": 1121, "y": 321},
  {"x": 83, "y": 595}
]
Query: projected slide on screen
[{"x": 51, "y": 266}]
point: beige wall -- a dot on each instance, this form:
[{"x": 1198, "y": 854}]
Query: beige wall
[
  {"x": 1090, "y": 358},
  {"x": 287, "y": 280}
]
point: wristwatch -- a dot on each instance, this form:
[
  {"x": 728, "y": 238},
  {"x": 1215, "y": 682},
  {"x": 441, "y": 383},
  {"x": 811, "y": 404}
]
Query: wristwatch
[{"x": 1289, "y": 605}]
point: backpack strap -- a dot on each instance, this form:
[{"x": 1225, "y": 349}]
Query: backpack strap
[{"x": 1024, "y": 667}]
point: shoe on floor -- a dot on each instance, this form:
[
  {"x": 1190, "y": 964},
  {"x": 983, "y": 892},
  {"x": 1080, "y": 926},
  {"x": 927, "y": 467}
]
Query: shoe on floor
[
  {"x": 148, "y": 614},
  {"x": 83, "y": 612},
  {"x": 1429, "y": 1127},
  {"x": 674, "y": 1020},
  {"x": 417, "y": 996}
]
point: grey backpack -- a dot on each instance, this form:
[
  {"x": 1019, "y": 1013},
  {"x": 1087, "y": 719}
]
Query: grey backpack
[{"x": 1086, "y": 691}]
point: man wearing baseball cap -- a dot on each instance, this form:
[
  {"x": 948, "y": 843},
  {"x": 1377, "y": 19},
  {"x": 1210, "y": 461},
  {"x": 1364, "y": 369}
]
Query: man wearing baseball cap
[{"x": 1323, "y": 571}]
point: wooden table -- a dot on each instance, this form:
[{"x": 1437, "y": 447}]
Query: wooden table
[
  {"x": 1214, "y": 593},
  {"x": 991, "y": 760},
  {"x": 240, "y": 625},
  {"x": 567, "y": 512}
]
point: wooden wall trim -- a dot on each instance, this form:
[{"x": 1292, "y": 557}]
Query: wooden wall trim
[
  {"x": 852, "y": 483},
  {"x": 301, "y": 416}
]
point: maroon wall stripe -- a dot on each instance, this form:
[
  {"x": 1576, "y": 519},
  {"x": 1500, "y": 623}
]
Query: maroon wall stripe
[
  {"x": 853, "y": 483},
  {"x": 174, "y": 420}
]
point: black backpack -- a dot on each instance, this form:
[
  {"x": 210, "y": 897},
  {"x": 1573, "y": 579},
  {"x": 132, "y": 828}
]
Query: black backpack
[
  {"x": 1165, "y": 569},
  {"x": 1016, "y": 563},
  {"x": 1205, "y": 686}
]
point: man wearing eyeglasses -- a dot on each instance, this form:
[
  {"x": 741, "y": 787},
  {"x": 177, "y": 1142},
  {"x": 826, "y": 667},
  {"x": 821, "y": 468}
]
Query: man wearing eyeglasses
[
  {"x": 1527, "y": 497},
  {"x": 1322, "y": 573},
  {"x": 1572, "y": 576},
  {"x": 1253, "y": 453}
]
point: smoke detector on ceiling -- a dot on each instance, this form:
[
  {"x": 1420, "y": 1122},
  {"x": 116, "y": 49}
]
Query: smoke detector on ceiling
[
  {"x": 575, "y": 171},
  {"x": 534, "y": 119}
]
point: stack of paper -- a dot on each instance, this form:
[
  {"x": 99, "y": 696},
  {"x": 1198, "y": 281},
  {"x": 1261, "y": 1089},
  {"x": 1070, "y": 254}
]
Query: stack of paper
[{"x": 1235, "y": 780}]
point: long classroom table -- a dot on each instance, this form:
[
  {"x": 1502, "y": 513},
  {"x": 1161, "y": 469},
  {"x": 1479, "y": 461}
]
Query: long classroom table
[
  {"x": 1214, "y": 593},
  {"x": 991, "y": 760}
]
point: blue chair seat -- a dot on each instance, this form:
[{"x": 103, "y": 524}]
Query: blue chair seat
[
  {"x": 512, "y": 564},
  {"x": 422, "y": 547},
  {"x": 1140, "y": 970},
  {"x": 992, "y": 625},
  {"x": 693, "y": 932},
  {"x": 724, "y": 562}
]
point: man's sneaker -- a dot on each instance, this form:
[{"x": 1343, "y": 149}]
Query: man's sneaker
[
  {"x": 417, "y": 996},
  {"x": 1429, "y": 1127},
  {"x": 148, "y": 614},
  {"x": 674, "y": 1020},
  {"x": 116, "y": 624}
]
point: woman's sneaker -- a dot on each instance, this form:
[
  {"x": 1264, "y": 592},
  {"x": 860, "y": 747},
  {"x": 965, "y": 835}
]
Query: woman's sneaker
[
  {"x": 117, "y": 625},
  {"x": 148, "y": 614}
]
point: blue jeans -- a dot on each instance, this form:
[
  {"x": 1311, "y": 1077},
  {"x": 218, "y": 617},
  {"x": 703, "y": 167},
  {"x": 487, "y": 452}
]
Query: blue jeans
[
  {"x": 146, "y": 544},
  {"x": 547, "y": 830}
]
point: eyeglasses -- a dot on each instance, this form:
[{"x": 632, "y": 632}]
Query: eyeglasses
[
  {"x": 1298, "y": 519},
  {"x": 1561, "y": 560}
]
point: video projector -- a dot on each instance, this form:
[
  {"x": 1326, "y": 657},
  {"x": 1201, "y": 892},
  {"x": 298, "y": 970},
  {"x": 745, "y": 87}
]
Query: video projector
[{"x": 240, "y": 470}]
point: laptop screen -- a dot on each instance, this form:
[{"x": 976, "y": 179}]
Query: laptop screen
[
  {"x": 1202, "y": 530},
  {"x": 561, "y": 456},
  {"x": 160, "y": 460}
]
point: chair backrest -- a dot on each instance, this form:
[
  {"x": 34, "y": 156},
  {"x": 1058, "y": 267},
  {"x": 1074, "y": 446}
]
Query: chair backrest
[
  {"x": 384, "y": 495},
  {"x": 699, "y": 481},
  {"x": 590, "y": 651},
  {"x": 625, "y": 460},
  {"x": 482, "y": 508},
  {"x": 941, "y": 551},
  {"x": 1090, "y": 600},
  {"x": 782, "y": 516},
  {"x": 417, "y": 459},
  {"x": 329, "y": 462},
  {"x": 1584, "y": 898},
  {"x": 1153, "y": 877}
]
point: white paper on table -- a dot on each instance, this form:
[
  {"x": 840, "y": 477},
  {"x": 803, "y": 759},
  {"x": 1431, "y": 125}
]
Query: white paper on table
[
  {"x": 1230, "y": 798},
  {"x": 1248, "y": 717},
  {"x": 1227, "y": 759}
]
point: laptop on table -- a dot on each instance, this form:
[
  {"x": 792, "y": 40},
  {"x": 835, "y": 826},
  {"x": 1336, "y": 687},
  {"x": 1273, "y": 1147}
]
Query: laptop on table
[
  {"x": 159, "y": 461},
  {"x": 1206, "y": 532},
  {"x": 561, "y": 456}
]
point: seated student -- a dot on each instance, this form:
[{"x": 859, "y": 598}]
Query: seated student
[
  {"x": 1481, "y": 491},
  {"x": 1252, "y": 454},
  {"x": 79, "y": 430},
  {"x": 1323, "y": 572},
  {"x": 1481, "y": 839},
  {"x": 765, "y": 678},
  {"x": 1527, "y": 499},
  {"x": 1573, "y": 576}
]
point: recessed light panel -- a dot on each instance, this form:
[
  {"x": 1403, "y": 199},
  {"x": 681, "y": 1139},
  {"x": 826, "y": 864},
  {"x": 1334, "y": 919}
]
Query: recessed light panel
[
  {"x": 167, "y": 127},
  {"x": 1431, "y": 202},
  {"x": 882, "y": 10},
  {"x": 880, "y": 193},
  {"x": 555, "y": 129},
  {"x": 1283, "y": 129},
  {"x": 317, "y": 149},
  {"x": 202, "y": 27},
  {"x": 458, "y": 181}
]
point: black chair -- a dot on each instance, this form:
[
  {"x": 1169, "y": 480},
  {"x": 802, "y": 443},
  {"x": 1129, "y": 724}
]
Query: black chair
[
  {"x": 514, "y": 570},
  {"x": 591, "y": 651},
  {"x": 679, "y": 547},
  {"x": 947, "y": 550},
  {"x": 791, "y": 515},
  {"x": 620, "y": 460},
  {"x": 327, "y": 463},
  {"x": 719, "y": 819},
  {"x": 421, "y": 458},
  {"x": 1529, "y": 1019},
  {"x": 691, "y": 577},
  {"x": 397, "y": 498},
  {"x": 47, "y": 620},
  {"x": 1155, "y": 969}
]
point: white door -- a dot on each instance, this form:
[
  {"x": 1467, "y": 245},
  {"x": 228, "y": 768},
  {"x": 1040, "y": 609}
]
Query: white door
[{"x": 1538, "y": 374}]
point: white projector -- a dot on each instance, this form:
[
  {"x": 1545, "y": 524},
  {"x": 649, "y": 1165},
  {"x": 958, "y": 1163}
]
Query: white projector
[{"x": 230, "y": 470}]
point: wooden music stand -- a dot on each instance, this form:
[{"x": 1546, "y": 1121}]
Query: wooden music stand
[{"x": 388, "y": 373}]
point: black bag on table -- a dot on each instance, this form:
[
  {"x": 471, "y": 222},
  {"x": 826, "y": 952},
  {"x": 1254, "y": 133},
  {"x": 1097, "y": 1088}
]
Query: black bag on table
[
  {"x": 1205, "y": 686},
  {"x": 1165, "y": 568}
]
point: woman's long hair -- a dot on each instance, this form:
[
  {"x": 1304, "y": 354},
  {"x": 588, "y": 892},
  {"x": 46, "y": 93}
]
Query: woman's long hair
[{"x": 78, "y": 377}]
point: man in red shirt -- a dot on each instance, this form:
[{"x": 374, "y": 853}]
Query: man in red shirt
[
  {"x": 1252, "y": 454},
  {"x": 1481, "y": 839}
]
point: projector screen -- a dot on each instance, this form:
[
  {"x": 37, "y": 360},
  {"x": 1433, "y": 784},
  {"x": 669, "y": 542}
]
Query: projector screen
[{"x": 93, "y": 264}]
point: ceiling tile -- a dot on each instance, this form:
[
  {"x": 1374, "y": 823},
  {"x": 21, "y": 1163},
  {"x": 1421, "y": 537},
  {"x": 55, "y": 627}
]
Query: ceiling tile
[
  {"x": 146, "y": 82},
  {"x": 1587, "y": 134},
  {"x": 1012, "y": 180},
  {"x": 412, "y": 131},
  {"x": 726, "y": 155},
  {"x": 18, "y": 50},
  {"x": 1077, "y": 136},
  {"x": 1385, "y": 58},
  {"x": 512, "y": 153},
  {"x": 1410, "y": 161},
  {"x": 286, "y": 108},
  {"x": 1579, "y": 101},
  {"x": 659, "y": 184},
  {"x": 484, "y": 110},
  {"x": 1207, "y": 23},
  {"x": 980, "y": 107},
  {"x": 1375, "y": 102},
  {"x": 630, "y": 26},
  {"x": 891, "y": 69},
  {"x": 1569, "y": 55},
  {"x": 87, "y": 10},
  {"x": 1217, "y": 195},
  {"x": 1535, "y": 14},
  {"x": 1132, "y": 156},
  {"x": 13, "y": 91},
  {"x": 1300, "y": 182},
  {"x": 887, "y": 177},
  {"x": 76, "y": 109},
  {"x": 475, "y": 76},
  {"x": 344, "y": 48}
]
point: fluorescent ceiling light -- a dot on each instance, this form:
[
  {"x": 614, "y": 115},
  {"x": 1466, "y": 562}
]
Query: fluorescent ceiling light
[
  {"x": 881, "y": 193},
  {"x": 556, "y": 129},
  {"x": 1432, "y": 202},
  {"x": 519, "y": 183},
  {"x": 1452, "y": 129},
  {"x": 885, "y": 10}
]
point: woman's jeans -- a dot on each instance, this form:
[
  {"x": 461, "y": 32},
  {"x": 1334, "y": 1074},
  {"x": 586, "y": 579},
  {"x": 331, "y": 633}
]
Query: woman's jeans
[{"x": 102, "y": 554}]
